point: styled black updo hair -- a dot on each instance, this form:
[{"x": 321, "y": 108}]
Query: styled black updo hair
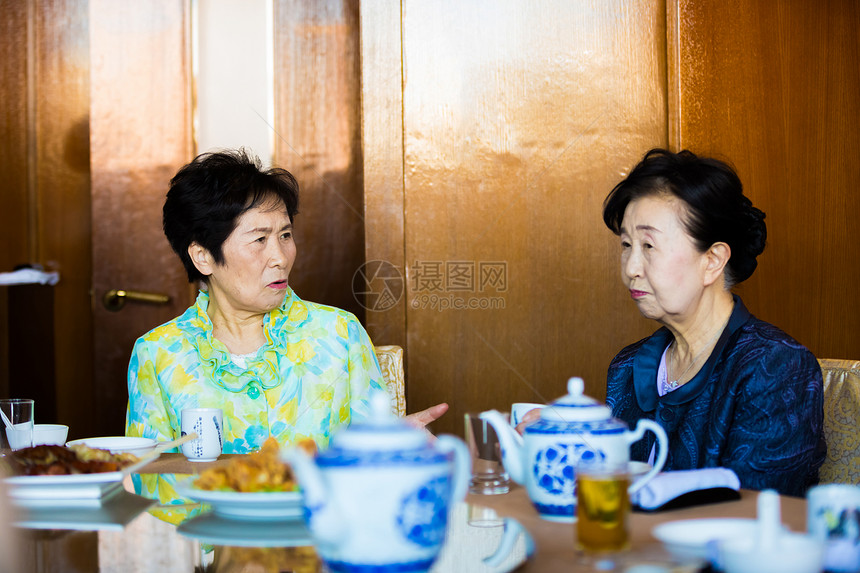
[
  {"x": 207, "y": 197},
  {"x": 717, "y": 209}
]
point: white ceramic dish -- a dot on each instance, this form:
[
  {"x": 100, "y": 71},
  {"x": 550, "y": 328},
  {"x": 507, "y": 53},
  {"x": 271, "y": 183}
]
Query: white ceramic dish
[
  {"x": 216, "y": 530},
  {"x": 697, "y": 538},
  {"x": 263, "y": 506},
  {"x": 74, "y": 489},
  {"x": 119, "y": 444},
  {"x": 114, "y": 514},
  {"x": 50, "y": 434},
  {"x": 791, "y": 553}
]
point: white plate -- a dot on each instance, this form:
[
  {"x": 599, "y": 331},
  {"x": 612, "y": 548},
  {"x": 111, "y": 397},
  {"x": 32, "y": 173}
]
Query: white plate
[
  {"x": 37, "y": 490},
  {"x": 260, "y": 506},
  {"x": 214, "y": 529},
  {"x": 115, "y": 513},
  {"x": 695, "y": 538},
  {"x": 118, "y": 444}
]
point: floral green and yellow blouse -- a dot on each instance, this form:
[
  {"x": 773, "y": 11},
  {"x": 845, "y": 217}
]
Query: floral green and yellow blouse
[{"x": 314, "y": 374}]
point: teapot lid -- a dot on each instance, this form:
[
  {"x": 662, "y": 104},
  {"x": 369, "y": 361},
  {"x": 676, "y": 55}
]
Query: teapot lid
[
  {"x": 380, "y": 431},
  {"x": 575, "y": 406}
]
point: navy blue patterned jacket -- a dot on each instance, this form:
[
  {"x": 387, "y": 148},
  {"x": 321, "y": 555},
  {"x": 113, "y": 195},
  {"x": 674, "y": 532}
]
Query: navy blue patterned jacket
[{"x": 754, "y": 407}]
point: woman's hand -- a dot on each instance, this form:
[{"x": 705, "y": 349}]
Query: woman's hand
[
  {"x": 528, "y": 418},
  {"x": 424, "y": 417}
]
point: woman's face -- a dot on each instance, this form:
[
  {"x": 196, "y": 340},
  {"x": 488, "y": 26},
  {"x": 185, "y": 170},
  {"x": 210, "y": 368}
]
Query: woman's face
[
  {"x": 258, "y": 257},
  {"x": 660, "y": 265}
]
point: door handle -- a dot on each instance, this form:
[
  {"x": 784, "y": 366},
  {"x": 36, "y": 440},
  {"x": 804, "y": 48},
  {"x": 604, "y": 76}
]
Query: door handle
[{"x": 114, "y": 300}]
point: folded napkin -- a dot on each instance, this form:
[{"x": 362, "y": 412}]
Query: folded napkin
[
  {"x": 671, "y": 490},
  {"x": 29, "y": 276}
]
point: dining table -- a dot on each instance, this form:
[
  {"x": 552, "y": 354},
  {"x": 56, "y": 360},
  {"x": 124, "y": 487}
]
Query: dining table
[{"x": 133, "y": 539}]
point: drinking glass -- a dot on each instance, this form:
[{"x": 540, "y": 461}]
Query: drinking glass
[
  {"x": 19, "y": 413},
  {"x": 602, "y": 507},
  {"x": 488, "y": 474}
]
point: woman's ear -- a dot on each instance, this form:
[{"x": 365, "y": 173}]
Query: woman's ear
[
  {"x": 716, "y": 259},
  {"x": 201, "y": 258}
]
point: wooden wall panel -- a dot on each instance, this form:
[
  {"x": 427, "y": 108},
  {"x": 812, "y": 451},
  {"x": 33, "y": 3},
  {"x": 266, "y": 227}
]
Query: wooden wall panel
[
  {"x": 516, "y": 126},
  {"x": 141, "y": 135},
  {"x": 775, "y": 88},
  {"x": 318, "y": 139},
  {"x": 14, "y": 188},
  {"x": 382, "y": 140}
]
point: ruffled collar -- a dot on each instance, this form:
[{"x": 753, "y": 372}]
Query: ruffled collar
[
  {"x": 262, "y": 366},
  {"x": 647, "y": 362}
]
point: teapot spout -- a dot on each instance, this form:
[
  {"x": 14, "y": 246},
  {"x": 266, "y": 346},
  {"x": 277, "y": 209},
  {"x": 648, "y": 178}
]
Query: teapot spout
[
  {"x": 322, "y": 518},
  {"x": 511, "y": 444}
]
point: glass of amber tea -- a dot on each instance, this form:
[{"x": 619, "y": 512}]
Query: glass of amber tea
[{"x": 602, "y": 506}]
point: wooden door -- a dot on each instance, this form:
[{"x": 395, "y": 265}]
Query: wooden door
[
  {"x": 140, "y": 128},
  {"x": 45, "y": 185},
  {"x": 515, "y": 125}
]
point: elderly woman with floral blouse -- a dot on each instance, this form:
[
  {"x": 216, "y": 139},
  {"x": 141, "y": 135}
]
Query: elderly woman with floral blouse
[{"x": 275, "y": 364}]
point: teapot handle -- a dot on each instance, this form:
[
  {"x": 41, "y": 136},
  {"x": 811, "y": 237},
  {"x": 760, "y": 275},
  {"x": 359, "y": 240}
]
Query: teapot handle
[
  {"x": 462, "y": 465},
  {"x": 662, "y": 450}
]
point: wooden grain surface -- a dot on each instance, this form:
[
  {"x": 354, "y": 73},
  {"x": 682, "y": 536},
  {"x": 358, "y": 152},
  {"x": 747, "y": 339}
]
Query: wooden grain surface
[
  {"x": 140, "y": 136},
  {"x": 318, "y": 139},
  {"x": 62, "y": 190},
  {"x": 775, "y": 88},
  {"x": 555, "y": 550},
  {"x": 382, "y": 139},
  {"x": 514, "y": 131},
  {"x": 14, "y": 131},
  {"x": 44, "y": 152}
]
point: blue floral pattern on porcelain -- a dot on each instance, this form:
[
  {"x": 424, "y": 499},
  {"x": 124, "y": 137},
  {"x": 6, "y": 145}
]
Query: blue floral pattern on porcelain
[
  {"x": 605, "y": 427},
  {"x": 336, "y": 457},
  {"x": 553, "y": 466},
  {"x": 423, "y": 514}
]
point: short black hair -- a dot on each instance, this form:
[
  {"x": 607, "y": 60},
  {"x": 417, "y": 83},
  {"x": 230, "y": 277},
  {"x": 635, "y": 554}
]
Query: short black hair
[
  {"x": 207, "y": 196},
  {"x": 717, "y": 209}
]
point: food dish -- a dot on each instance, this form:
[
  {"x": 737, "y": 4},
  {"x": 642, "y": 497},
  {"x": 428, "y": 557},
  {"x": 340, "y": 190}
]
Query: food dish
[
  {"x": 255, "y": 506},
  {"x": 697, "y": 538},
  {"x": 118, "y": 444},
  {"x": 261, "y": 471},
  {"x": 65, "y": 490},
  {"x": 214, "y": 529}
]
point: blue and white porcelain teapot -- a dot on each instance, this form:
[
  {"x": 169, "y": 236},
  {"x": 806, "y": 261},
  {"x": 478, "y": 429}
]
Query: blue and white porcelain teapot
[
  {"x": 573, "y": 429},
  {"x": 378, "y": 498}
]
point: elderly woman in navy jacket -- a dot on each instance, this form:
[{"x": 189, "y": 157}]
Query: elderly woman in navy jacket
[{"x": 730, "y": 390}]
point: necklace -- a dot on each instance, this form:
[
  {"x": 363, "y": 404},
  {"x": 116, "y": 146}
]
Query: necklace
[{"x": 672, "y": 384}]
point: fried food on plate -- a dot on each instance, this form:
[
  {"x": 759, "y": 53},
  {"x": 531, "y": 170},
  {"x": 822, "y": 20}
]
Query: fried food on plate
[
  {"x": 261, "y": 471},
  {"x": 60, "y": 460}
]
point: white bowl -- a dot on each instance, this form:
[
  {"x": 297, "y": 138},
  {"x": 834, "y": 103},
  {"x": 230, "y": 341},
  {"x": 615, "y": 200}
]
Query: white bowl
[
  {"x": 792, "y": 553},
  {"x": 50, "y": 434},
  {"x": 696, "y": 538},
  {"x": 119, "y": 444}
]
